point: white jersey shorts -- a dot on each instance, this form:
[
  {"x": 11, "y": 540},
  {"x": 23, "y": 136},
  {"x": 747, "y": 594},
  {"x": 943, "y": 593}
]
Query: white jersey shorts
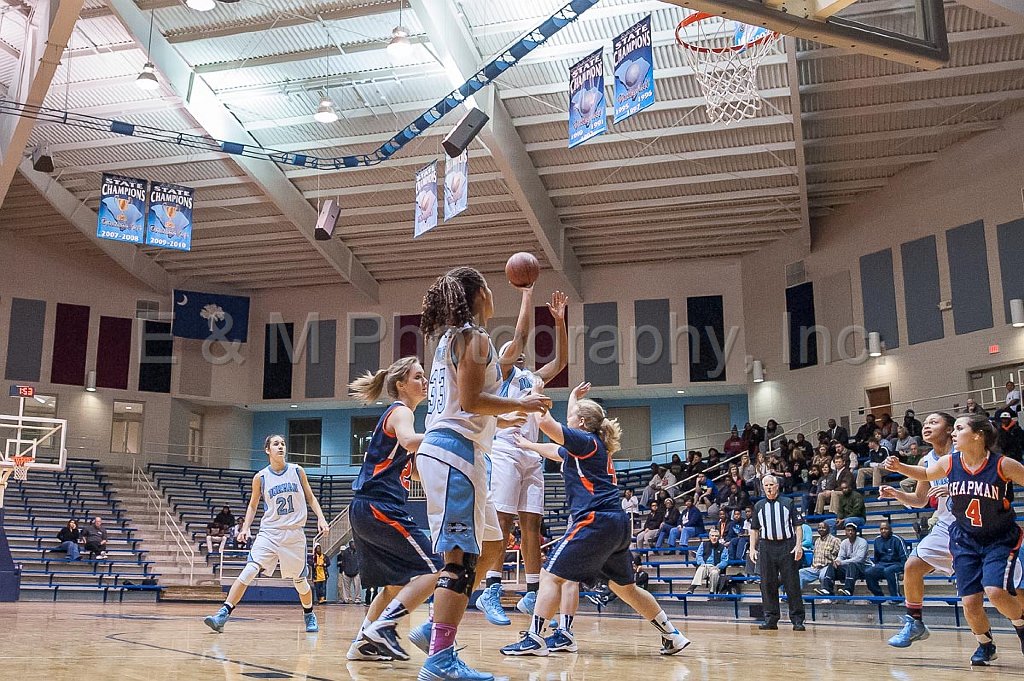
[
  {"x": 453, "y": 472},
  {"x": 517, "y": 480},
  {"x": 934, "y": 549},
  {"x": 286, "y": 546}
]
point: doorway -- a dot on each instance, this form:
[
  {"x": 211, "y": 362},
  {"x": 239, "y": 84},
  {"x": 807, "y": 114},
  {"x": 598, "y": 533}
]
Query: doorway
[
  {"x": 879, "y": 400},
  {"x": 988, "y": 386}
]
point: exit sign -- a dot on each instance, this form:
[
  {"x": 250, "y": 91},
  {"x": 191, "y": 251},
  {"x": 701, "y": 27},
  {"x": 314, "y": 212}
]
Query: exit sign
[
  {"x": 993, "y": 349},
  {"x": 23, "y": 391}
]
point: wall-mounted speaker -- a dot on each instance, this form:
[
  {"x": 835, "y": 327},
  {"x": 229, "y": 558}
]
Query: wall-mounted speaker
[
  {"x": 459, "y": 138},
  {"x": 327, "y": 220}
]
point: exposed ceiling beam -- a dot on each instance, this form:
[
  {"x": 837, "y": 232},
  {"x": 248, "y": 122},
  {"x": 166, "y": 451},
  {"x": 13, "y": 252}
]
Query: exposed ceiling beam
[
  {"x": 47, "y": 33},
  {"x": 902, "y": 134},
  {"x": 717, "y": 198},
  {"x": 851, "y": 185},
  {"x": 1010, "y": 12},
  {"x": 672, "y": 181},
  {"x": 903, "y": 79},
  {"x": 317, "y": 53},
  {"x": 952, "y": 38},
  {"x": 211, "y": 114},
  {"x": 404, "y": 185},
  {"x": 83, "y": 218},
  {"x": 793, "y": 79},
  {"x": 876, "y": 162},
  {"x": 914, "y": 105},
  {"x": 457, "y": 50},
  {"x": 656, "y": 159}
]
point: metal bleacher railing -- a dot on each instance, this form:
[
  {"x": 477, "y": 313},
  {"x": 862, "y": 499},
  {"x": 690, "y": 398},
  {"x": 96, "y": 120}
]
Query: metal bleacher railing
[{"x": 166, "y": 521}]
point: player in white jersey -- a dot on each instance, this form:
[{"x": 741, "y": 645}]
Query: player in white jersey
[
  {"x": 517, "y": 476},
  {"x": 932, "y": 553},
  {"x": 462, "y": 410},
  {"x": 285, "y": 492}
]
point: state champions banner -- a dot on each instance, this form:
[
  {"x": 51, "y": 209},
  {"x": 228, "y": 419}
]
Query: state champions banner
[
  {"x": 634, "y": 70},
  {"x": 587, "y": 115},
  {"x": 426, "y": 200},
  {"x": 456, "y": 185},
  {"x": 122, "y": 212},
  {"x": 169, "y": 224}
]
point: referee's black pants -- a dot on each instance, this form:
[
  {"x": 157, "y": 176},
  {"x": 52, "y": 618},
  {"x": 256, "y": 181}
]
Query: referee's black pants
[{"x": 778, "y": 566}]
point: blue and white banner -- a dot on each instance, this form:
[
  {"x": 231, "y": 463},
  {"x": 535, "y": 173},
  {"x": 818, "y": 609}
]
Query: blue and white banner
[
  {"x": 587, "y": 117},
  {"x": 210, "y": 315},
  {"x": 426, "y": 200},
  {"x": 456, "y": 185},
  {"x": 634, "y": 70},
  {"x": 122, "y": 213},
  {"x": 170, "y": 216}
]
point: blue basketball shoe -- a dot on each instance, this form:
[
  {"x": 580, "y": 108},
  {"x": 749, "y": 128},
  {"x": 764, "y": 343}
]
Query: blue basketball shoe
[
  {"x": 561, "y": 641},
  {"x": 217, "y": 622},
  {"x": 530, "y": 644},
  {"x": 311, "y": 624},
  {"x": 913, "y": 630},
  {"x": 445, "y": 665},
  {"x": 420, "y": 637},
  {"x": 527, "y": 603},
  {"x": 489, "y": 604}
]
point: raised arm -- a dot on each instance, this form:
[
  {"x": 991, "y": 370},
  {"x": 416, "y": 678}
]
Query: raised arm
[
  {"x": 557, "y": 306},
  {"x": 522, "y": 332},
  {"x": 402, "y": 424},
  {"x": 322, "y": 525},
  {"x": 937, "y": 471},
  {"x": 549, "y": 450},
  {"x": 550, "y": 427},
  {"x": 472, "y": 367},
  {"x": 577, "y": 394}
]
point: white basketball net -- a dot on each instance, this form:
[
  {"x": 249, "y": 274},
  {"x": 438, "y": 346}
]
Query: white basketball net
[
  {"x": 21, "y": 467},
  {"x": 727, "y": 75}
]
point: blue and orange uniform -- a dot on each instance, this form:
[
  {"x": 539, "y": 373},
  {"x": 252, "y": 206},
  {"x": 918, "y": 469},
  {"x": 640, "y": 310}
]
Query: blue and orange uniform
[
  {"x": 597, "y": 541},
  {"x": 985, "y": 539},
  {"x": 391, "y": 547}
]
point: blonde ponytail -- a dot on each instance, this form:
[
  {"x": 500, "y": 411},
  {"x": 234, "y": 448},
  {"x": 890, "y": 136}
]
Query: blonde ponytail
[
  {"x": 596, "y": 421},
  {"x": 368, "y": 387},
  {"x": 610, "y": 433}
]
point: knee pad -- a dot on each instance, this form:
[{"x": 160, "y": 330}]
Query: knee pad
[
  {"x": 460, "y": 579},
  {"x": 301, "y": 585},
  {"x": 249, "y": 573}
]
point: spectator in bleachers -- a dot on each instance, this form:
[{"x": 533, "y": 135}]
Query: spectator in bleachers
[
  {"x": 95, "y": 537},
  {"x": 234, "y": 541},
  {"x": 660, "y": 480},
  {"x": 805, "y": 535},
  {"x": 837, "y": 433},
  {"x": 849, "y": 565},
  {"x": 348, "y": 574},
  {"x": 805, "y": 447},
  {"x": 847, "y": 453},
  {"x": 831, "y": 489},
  {"x": 973, "y": 408},
  {"x": 1012, "y": 397},
  {"x": 691, "y": 524},
  {"x": 704, "y": 493},
  {"x": 850, "y": 507},
  {"x": 733, "y": 477},
  {"x": 890, "y": 555},
  {"x": 713, "y": 463},
  {"x": 676, "y": 467},
  {"x": 815, "y": 478},
  {"x": 913, "y": 456},
  {"x": 878, "y": 452},
  {"x": 225, "y": 518},
  {"x": 68, "y": 538},
  {"x": 822, "y": 455},
  {"x": 668, "y": 523},
  {"x": 694, "y": 464},
  {"x": 1009, "y": 436},
  {"x": 318, "y": 569},
  {"x": 749, "y": 473},
  {"x": 864, "y": 433},
  {"x": 735, "y": 444},
  {"x": 215, "y": 534},
  {"x": 645, "y": 539},
  {"x": 736, "y": 499},
  {"x": 736, "y": 535},
  {"x": 911, "y": 423},
  {"x": 771, "y": 431},
  {"x": 826, "y": 550},
  {"x": 754, "y": 438},
  {"x": 903, "y": 442},
  {"x": 712, "y": 560},
  {"x": 630, "y": 504},
  {"x": 887, "y": 426}
]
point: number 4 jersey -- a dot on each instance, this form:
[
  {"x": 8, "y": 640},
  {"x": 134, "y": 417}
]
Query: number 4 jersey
[
  {"x": 284, "y": 503},
  {"x": 982, "y": 499}
]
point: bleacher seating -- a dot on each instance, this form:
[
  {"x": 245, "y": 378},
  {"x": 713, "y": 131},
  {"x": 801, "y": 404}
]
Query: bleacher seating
[{"x": 36, "y": 509}]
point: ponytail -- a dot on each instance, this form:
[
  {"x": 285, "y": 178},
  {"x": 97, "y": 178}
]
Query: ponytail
[
  {"x": 610, "y": 433},
  {"x": 368, "y": 387},
  {"x": 449, "y": 300},
  {"x": 595, "y": 420}
]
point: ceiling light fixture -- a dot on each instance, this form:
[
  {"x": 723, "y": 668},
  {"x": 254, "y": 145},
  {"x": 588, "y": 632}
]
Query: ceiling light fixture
[
  {"x": 201, "y": 5},
  {"x": 1017, "y": 313},
  {"x": 325, "y": 113},
  {"x": 874, "y": 344},
  {"x": 757, "y": 369},
  {"x": 147, "y": 79},
  {"x": 399, "y": 46}
]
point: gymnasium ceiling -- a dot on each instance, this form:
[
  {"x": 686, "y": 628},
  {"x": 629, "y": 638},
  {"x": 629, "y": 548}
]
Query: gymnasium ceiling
[{"x": 666, "y": 185}]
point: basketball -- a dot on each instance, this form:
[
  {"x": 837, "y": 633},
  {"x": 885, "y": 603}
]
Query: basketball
[{"x": 522, "y": 269}]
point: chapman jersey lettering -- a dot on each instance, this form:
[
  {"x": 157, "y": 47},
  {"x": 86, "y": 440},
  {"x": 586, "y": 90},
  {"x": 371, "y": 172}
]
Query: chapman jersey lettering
[
  {"x": 518, "y": 384},
  {"x": 444, "y": 409},
  {"x": 284, "y": 503},
  {"x": 982, "y": 500},
  {"x": 589, "y": 473},
  {"x": 386, "y": 467},
  {"x": 938, "y": 489}
]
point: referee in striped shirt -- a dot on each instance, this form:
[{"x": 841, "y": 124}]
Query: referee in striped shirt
[{"x": 773, "y": 535}]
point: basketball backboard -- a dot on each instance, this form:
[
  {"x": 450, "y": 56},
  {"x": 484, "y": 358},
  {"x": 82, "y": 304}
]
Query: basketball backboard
[
  {"x": 43, "y": 439},
  {"x": 907, "y": 31}
]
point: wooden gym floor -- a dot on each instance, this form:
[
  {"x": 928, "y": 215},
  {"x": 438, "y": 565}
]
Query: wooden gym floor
[{"x": 168, "y": 642}]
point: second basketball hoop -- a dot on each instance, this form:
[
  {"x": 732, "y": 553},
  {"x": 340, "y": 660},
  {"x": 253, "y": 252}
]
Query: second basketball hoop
[{"x": 726, "y": 74}]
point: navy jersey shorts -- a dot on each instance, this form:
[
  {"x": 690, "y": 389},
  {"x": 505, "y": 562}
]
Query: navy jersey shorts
[
  {"x": 978, "y": 565},
  {"x": 392, "y": 549},
  {"x": 595, "y": 545}
]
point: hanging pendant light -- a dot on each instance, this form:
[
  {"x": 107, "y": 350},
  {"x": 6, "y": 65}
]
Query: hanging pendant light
[
  {"x": 147, "y": 80},
  {"x": 399, "y": 46}
]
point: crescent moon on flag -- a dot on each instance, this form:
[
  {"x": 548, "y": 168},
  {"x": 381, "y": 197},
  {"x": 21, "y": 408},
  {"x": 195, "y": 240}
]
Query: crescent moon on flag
[{"x": 184, "y": 299}]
